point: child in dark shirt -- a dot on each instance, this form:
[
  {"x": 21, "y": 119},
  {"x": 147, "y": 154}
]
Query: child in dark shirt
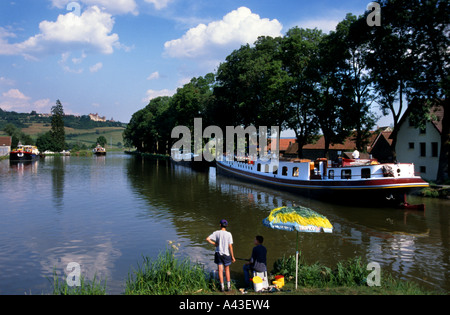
[{"x": 258, "y": 260}]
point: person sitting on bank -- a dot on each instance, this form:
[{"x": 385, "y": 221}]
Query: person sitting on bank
[{"x": 258, "y": 260}]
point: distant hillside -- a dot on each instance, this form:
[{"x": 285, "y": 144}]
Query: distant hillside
[{"x": 24, "y": 120}]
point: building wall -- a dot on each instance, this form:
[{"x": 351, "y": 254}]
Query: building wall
[
  {"x": 420, "y": 148},
  {"x": 4, "y": 150}
]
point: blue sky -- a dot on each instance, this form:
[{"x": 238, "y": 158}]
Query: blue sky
[{"x": 115, "y": 55}]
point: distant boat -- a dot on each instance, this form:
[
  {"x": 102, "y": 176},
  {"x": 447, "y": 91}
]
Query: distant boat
[
  {"x": 99, "y": 150},
  {"x": 24, "y": 153}
]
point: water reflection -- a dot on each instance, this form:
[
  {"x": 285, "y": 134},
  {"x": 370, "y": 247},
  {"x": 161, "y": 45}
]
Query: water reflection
[{"x": 407, "y": 243}]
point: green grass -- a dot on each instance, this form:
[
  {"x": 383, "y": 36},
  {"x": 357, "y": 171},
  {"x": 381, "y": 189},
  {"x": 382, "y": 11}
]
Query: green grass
[
  {"x": 347, "y": 277},
  {"x": 113, "y": 135},
  {"x": 94, "y": 287},
  {"x": 81, "y": 136},
  {"x": 168, "y": 275}
]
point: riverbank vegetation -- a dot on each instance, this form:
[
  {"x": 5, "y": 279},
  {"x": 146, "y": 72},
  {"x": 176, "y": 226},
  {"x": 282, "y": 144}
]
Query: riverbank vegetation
[
  {"x": 168, "y": 274},
  {"x": 436, "y": 191},
  {"x": 315, "y": 83}
]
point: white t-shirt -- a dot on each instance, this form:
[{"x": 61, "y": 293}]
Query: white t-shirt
[{"x": 224, "y": 239}]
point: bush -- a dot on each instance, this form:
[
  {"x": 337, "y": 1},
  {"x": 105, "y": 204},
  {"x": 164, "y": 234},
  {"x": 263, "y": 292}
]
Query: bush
[
  {"x": 285, "y": 267},
  {"x": 352, "y": 272}
]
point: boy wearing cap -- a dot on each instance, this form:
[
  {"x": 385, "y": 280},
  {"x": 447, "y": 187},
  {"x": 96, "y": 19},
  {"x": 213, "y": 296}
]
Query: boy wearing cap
[{"x": 223, "y": 256}]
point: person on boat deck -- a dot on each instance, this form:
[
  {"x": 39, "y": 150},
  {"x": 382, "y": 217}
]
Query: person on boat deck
[
  {"x": 223, "y": 256},
  {"x": 355, "y": 154},
  {"x": 258, "y": 260}
]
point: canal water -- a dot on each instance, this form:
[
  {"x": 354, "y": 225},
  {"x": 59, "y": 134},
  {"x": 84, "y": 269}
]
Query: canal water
[{"x": 106, "y": 213}]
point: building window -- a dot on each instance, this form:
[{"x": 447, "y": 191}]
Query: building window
[
  {"x": 434, "y": 149},
  {"x": 423, "y": 130},
  {"x": 411, "y": 145},
  {"x": 365, "y": 173},
  {"x": 423, "y": 169},
  {"x": 423, "y": 149}
]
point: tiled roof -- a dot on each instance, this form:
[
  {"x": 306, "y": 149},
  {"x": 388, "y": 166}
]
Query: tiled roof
[{"x": 5, "y": 141}]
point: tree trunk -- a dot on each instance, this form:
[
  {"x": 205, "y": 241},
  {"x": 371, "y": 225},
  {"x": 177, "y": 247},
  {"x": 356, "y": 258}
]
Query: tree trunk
[{"x": 443, "y": 170}]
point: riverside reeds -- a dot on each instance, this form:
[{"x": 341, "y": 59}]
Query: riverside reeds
[
  {"x": 167, "y": 275},
  {"x": 352, "y": 272},
  {"x": 94, "y": 287}
]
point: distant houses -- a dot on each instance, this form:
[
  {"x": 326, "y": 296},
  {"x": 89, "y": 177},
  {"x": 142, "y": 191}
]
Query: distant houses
[
  {"x": 5, "y": 145},
  {"x": 379, "y": 147},
  {"x": 421, "y": 146},
  {"x": 96, "y": 117}
]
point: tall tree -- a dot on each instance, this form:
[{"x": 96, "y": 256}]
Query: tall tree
[
  {"x": 57, "y": 132},
  {"x": 251, "y": 84},
  {"x": 424, "y": 28},
  {"x": 356, "y": 79},
  {"x": 391, "y": 67},
  {"x": 334, "y": 96},
  {"x": 299, "y": 48}
]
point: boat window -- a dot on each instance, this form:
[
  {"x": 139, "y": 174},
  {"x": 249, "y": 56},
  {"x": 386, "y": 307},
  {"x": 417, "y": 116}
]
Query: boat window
[
  {"x": 259, "y": 167},
  {"x": 346, "y": 174},
  {"x": 275, "y": 170},
  {"x": 284, "y": 171},
  {"x": 266, "y": 168},
  {"x": 331, "y": 174},
  {"x": 295, "y": 172},
  {"x": 365, "y": 173}
]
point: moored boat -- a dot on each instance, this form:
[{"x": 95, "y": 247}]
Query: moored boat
[
  {"x": 24, "y": 153},
  {"x": 347, "y": 180},
  {"x": 99, "y": 150}
]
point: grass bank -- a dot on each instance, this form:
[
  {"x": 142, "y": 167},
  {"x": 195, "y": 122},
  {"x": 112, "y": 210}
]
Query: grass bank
[
  {"x": 150, "y": 156},
  {"x": 436, "y": 191},
  {"x": 168, "y": 274}
]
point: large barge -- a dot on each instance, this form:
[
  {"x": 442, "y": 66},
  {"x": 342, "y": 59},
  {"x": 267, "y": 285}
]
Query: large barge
[{"x": 344, "y": 180}]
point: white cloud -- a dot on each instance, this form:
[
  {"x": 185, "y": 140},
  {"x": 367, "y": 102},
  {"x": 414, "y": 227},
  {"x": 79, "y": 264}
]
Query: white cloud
[
  {"x": 6, "y": 81},
  {"x": 89, "y": 32},
  {"x": 326, "y": 22},
  {"x": 96, "y": 67},
  {"x": 43, "y": 106},
  {"x": 63, "y": 63},
  {"x": 15, "y": 94},
  {"x": 151, "y": 94},
  {"x": 110, "y": 6},
  {"x": 15, "y": 100},
  {"x": 238, "y": 27},
  {"x": 159, "y": 4},
  {"x": 154, "y": 76},
  {"x": 325, "y": 25}
]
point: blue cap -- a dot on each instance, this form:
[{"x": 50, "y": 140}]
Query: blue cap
[{"x": 223, "y": 222}]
